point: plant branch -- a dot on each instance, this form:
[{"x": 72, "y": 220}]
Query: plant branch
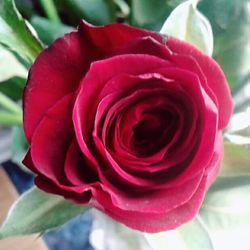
[
  {"x": 10, "y": 119},
  {"x": 9, "y": 105},
  {"x": 50, "y": 10}
]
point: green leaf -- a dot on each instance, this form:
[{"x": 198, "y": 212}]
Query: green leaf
[
  {"x": 94, "y": 11},
  {"x": 13, "y": 87},
  {"x": 19, "y": 147},
  {"x": 151, "y": 14},
  {"x": 36, "y": 211},
  {"x": 50, "y": 10},
  {"x": 245, "y": 131},
  {"x": 9, "y": 105},
  {"x": 221, "y": 12},
  {"x": 236, "y": 161},
  {"x": 10, "y": 119},
  {"x": 16, "y": 69},
  {"x": 191, "y": 236},
  {"x": 15, "y": 34},
  {"x": 238, "y": 88},
  {"x": 232, "y": 47},
  {"x": 48, "y": 31},
  {"x": 188, "y": 24},
  {"x": 26, "y": 7},
  {"x": 227, "y": 204},
  {"x": 113, "y": 235}
]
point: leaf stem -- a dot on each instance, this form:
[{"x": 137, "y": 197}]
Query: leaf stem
[
  {"x": 9, "y": 119},
  {"x": 9, "y": 105},
  {"x": 50, "y": 10}
]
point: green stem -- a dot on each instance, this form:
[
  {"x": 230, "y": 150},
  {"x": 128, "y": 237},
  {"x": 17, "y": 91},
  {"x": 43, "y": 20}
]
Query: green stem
[
  {"x": 50, "y": 10},
  {"x": 10, "y": 119},
  {"x": 8, "y": 104}
]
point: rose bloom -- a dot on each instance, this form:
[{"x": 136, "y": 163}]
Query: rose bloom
[{"x": 127, "y": 121}]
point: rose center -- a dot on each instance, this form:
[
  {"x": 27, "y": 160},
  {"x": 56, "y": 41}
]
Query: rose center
[{"x": 153, "y": 131}]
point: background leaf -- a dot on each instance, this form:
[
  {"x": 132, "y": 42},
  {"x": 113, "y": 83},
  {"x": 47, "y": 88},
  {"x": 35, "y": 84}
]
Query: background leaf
[
  {"x": 151, "y": 14},
  {"x": 191, "y": 236},
  {"x": 15, "y": 34},
  {"x": 232, "y": 46},
  {"x": 227, "y": 204},
  {"x": 221, "y": 13},
  {"x": 94, "y": 11},
  {"x": 236, "y": 161},
  {"x": 112, "y": 235},
  {"x": 36, "y": 211},
  {"x": 7, "y": 71},
  {"x": 185, "y": 22},
  {"x": 13, "y": 87},
  {"x": 48, "y": 31},
  {"x": 19, "y": 147}
]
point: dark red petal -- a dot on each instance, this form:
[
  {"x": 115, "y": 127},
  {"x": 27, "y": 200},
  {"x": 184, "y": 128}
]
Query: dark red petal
[
  {"x": 88, "y": 97},
  {"x": 76, "y": 169},
  {"x": 153, "y": 222},
  {"x": 51, "y": 140},
  {"x": 122, "y": 147},
  {"x": 209, "y": 122},
  {"x": 112, "y": 37},
  {"x": 215, "y": 77},
  {"x": 205, "y": 150},
  {"x": 49, "y": 186},
  {"x": 156, "y": 201},
  {"x": 190, "y": 82},
  {"x": 27, "y": 161},
  {"x": 56, "y": 72},
  {"x": 150, "y": 83},
  {"x": 148, "y": 46}
]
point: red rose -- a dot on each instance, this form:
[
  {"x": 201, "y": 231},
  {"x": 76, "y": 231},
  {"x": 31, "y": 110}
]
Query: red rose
[{"x": 128, "y": 121}]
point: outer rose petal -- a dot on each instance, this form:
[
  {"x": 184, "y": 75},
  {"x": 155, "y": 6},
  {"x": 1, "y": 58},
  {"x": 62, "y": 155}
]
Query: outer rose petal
[
  {"x": 72, "y": 55},
  {"x": 150, "y": 222},
  {"x": 50, "y": 141},
  {"x": 77, "y": 196},
  {"x": 47, "y": 84},
  {"x": 215, "y": 77},
  {"x": 113, "y": 37}
]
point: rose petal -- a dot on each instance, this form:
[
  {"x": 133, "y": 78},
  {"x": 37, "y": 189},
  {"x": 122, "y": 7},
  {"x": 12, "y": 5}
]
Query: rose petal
[
  {"x": 56, "y": 72},
  {"x": 113, "y": 37},
  {"x": 50, "y": 141},
  {"x": 156, "y": 201},
  {"x": 74, "y": 194},
  {"x": 216, "y": 79},
  {"x": 88, "y": 97},
  {"x": 150, "y": 222},
  {"x": 76, "y": 169}
]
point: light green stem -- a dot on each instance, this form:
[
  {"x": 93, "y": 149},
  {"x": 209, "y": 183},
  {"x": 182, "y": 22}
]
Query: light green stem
[
  {"x": 10, "y": 119},
  {"x": 9, "y": 105},
  {"x": 50, "y": 10}
]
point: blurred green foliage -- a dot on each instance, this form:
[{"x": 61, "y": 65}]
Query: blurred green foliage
[
  {"x": 230, "y": 22},
  {"x": 231, "y": 26}
]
